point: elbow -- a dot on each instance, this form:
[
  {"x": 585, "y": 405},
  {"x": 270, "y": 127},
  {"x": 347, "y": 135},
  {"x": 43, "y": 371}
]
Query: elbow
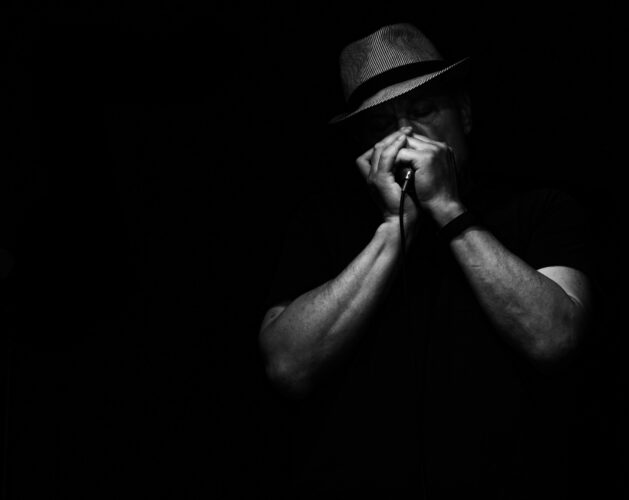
[
  {"x": 555, "y": 346},
  {"x": 550, "y": 353},
  {"x": 283, "y": 372},
  {"x": 557, "y": 336},
  {"x": 287, "y": 380}
]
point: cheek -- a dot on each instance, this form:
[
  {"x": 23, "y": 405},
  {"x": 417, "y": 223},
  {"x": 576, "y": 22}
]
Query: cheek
[
  {"x": 432, "y": 129},
  {"x": 447, "y": 128}
]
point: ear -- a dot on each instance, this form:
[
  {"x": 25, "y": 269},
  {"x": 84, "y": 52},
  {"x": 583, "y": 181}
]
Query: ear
[{"x": 465, "y": 110}]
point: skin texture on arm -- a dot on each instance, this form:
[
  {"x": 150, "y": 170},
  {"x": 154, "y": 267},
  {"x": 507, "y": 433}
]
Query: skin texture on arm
[
  {"x": 302, "y": 340},
  {"x": 542, "y": 313}
]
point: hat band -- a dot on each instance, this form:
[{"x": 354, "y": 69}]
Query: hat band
[{"x": 391, "y": 77}]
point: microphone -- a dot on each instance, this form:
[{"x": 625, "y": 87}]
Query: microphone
[{"x": 405, "y": 173}]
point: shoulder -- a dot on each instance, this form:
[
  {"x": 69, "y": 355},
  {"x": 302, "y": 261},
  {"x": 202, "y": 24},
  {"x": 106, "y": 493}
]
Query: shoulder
[{"x": 527, "y": 204}]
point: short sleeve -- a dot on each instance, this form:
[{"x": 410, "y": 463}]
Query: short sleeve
[{"x": 561, "y": 233}]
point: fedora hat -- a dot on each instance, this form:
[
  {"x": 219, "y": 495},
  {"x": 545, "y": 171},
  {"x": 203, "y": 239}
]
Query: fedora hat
[{"x": 388, "y": 63}]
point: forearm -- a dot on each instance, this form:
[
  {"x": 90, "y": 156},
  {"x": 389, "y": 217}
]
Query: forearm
[
  {"x": 317, "y": 328},
  {"x": 531, "y": 310}
]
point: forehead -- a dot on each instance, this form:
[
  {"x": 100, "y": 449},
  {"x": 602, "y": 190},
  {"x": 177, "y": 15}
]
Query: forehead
[{"x": 424, "y": 92}]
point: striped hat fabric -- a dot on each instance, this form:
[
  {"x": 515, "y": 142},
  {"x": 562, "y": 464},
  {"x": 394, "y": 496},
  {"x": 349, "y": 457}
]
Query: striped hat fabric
[{"x": 388, "y": 63}]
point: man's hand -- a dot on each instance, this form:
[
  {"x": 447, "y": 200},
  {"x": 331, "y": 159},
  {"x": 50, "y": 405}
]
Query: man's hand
[
  {"x": 378, "y": 165},
  {"x": 434, "y": 167}
]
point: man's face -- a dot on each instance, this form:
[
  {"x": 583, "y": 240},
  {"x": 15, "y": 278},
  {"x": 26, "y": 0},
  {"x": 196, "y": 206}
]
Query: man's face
[{"x": 436, "y": 115}]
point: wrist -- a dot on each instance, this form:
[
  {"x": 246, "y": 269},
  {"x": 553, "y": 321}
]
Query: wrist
[
  {"x": 390, "y": 229},
  {"x": 444, "y": 213},
  {"x": 457, "y": 227}
]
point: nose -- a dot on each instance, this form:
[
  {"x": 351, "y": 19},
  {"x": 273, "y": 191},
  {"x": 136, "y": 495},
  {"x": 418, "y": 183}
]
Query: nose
[{"x": 403, "y": 121}]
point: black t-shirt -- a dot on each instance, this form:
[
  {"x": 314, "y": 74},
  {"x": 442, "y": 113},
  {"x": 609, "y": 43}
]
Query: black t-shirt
[{"x": 449, "y": 391}]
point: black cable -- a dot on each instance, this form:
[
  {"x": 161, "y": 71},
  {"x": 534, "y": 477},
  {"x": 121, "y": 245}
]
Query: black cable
[
  {"x": 409, "y": 325},
  {"x": 405, "y": 291}
]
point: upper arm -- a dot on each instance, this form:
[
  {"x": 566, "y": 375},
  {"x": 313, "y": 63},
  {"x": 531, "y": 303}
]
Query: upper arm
[
  {"x": 573, "y": 282},
  {"x": 560, "y": 243}
]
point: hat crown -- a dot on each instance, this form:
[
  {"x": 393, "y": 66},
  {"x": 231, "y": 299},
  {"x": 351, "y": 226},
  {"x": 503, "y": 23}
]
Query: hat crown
[{"x": 390, "y": 47}]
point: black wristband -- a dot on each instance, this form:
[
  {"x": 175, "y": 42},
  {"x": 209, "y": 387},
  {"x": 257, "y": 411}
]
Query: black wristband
[{"x": 456, "y": 226}]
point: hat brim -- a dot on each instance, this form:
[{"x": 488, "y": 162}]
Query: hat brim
[{"x": 455, "y": 70}]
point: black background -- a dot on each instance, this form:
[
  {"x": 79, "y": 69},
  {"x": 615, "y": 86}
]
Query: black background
[{"x": 152, "y": 158}]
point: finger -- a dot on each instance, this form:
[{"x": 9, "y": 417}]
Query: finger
[
  {"x": 388, "y": 156},
  {"x": 415, "y": 157},
  {"x": 391, "y": 138},
  {"x": 410, "y": 156},
  {"x": 426, "y": 139},
  {"x": 420, "y": 144},
  {"x": 385, "y": 143},
  {"x": 364, "y": 162}
]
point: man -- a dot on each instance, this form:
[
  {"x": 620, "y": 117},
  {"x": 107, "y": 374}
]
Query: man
[{"x": 413, "y": 335}]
